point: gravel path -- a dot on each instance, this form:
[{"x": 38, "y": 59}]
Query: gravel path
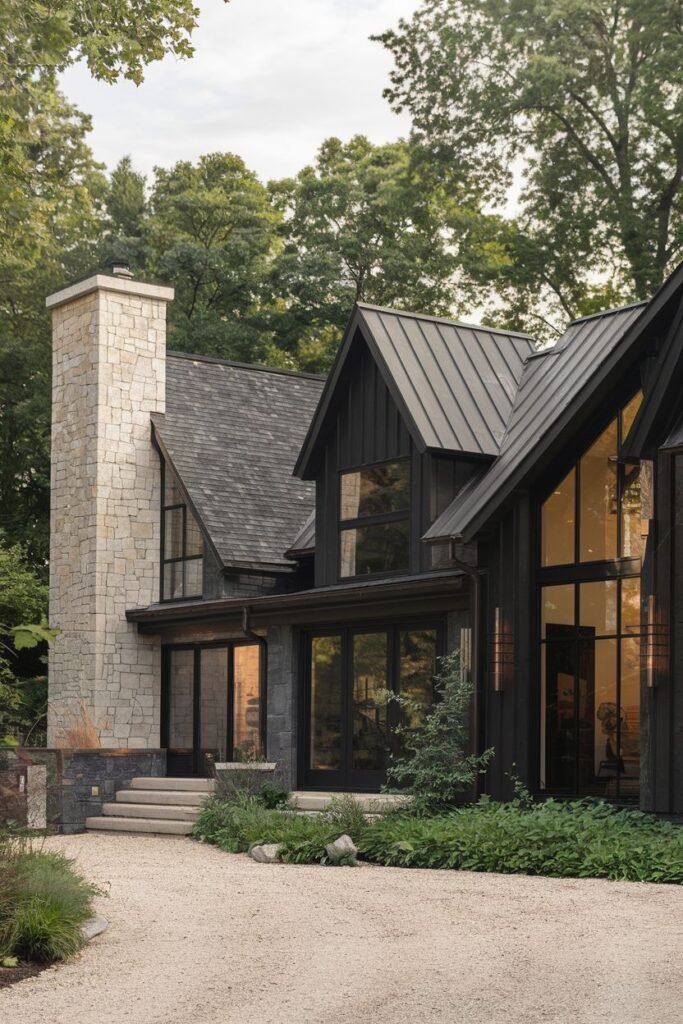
[{"x": 197, "y": 936}]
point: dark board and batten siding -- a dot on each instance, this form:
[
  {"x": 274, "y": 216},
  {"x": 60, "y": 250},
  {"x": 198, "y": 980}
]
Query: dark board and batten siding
[{"x": 367, "y": 429}]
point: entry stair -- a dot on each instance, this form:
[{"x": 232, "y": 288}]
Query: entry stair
[
  {"x": 165, "y": 806},
  {"x": 161, "y": 806}
]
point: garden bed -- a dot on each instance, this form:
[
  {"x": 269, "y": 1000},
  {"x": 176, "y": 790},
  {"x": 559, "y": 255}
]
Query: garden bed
[{"x": 573, "y": 839}]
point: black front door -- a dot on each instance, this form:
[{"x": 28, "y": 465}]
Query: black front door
[
  {"x": 349, "y": 725},
  {"x": 212, "y": 705}
]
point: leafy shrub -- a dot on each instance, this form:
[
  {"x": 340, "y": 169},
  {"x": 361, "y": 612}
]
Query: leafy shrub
[
  {"x": 272, "y": 797},
  {"x": 238, "y": 824},
  {"x": 43, "y": 903},
  {"x": 579, "y": 839},
  {"x": 436, "y": 768}
]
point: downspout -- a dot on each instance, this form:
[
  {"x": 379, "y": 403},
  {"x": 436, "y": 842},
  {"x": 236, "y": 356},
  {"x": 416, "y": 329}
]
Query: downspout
[
  {"x": 476, "y": 576},
  {"x": 249, "y": 634}
]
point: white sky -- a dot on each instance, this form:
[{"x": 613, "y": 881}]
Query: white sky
[{"x": 269, "y": 81}]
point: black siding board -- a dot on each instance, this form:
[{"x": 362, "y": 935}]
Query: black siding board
[
  {"x": 660, "y": 702},
  {"x": 676, "y": 674},
  {"x": 525, "y": 681}
]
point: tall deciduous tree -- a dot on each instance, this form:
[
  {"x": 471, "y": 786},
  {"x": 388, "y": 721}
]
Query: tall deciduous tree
[
  {"x": 211, "y": 234},
  {"x": 367, "y": 223},
  {"x": 51, "y": 195},
  {"x": 587, "y": 95}
]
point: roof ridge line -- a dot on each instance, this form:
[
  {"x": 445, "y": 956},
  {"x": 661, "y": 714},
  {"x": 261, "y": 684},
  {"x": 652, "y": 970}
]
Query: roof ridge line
[
  {"x": 446, "y": 320},
  {"x": 608, "y": 312},
  {"x": 259, "y": 367}
]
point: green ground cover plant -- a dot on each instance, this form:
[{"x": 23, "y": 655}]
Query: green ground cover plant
[
  {"x": 44, "y": 902},
  {"x": 245, "y": 821},
  {"x": 574, "y": 839}
]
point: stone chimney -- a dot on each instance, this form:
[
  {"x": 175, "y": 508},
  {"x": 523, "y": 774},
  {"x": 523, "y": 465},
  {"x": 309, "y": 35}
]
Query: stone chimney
[{"x": 109, "y": 375}]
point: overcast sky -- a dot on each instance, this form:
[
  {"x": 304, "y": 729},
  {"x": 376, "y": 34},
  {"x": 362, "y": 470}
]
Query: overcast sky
[{"x": 269, "y": 81}]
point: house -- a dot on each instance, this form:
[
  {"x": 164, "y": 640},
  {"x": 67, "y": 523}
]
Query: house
[{"x": 243, "y": 559}]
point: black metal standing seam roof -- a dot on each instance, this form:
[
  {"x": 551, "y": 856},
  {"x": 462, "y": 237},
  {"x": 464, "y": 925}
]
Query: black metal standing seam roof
[
  {"x": 552, "y": 380},
  {"x": 454, "y": 384},
  {"x": 458, "y": 382},
  {"x": 233, "y": 433}
]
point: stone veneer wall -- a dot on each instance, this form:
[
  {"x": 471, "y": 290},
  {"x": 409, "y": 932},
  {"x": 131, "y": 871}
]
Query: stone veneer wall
[
  {"x": 78, "y": 782},
  {"x": 109, "y": 348},
  {"x": 281, "y": 703}
]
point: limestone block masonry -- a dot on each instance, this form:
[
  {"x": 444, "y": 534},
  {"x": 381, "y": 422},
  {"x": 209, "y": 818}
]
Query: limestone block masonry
[{"x": 109, "y": 358}]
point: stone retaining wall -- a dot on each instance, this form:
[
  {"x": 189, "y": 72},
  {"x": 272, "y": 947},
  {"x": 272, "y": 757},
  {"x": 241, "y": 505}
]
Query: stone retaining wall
[{"x": 78, "y": 782}]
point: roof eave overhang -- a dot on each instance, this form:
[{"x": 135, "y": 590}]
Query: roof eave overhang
[
  {"x": 653, "y": 420},
  {"x": 263, "y": 609}
]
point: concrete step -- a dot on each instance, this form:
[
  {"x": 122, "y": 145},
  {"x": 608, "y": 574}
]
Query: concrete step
[
  {"x": 171, "y": 812},
  {"x": 180, "y": 785},
  {"x": 151, "y": 825},
  {"x": 370, "y": 803},
  {"x": 161, "y": 797}
]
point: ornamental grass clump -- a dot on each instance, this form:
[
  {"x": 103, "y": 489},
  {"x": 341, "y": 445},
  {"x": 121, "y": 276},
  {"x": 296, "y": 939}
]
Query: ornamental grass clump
[{"x": 44, "y": 902}]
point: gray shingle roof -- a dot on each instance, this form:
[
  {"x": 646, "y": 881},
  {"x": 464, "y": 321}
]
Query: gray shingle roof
[
  {"x": 233, "y": 433},
  {"x": 552, "y": 381}
]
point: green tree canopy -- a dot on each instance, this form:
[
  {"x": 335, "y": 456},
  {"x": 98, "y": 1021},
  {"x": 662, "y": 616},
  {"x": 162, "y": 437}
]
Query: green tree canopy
[
  {"x": 50, "y": 222},
  {"x": 23, "y": 599},
  {"x": 115, "y": 39},
  {"x": 587, "y": 97},
  {"x": 211, "y": 234},
  {"x": 370, "y": 223}
]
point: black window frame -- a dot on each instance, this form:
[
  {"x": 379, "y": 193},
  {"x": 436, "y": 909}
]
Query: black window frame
[
  {"x": 362, "y": 780},
  {"x": 577, "y": 572},
  {"x": 380, "y": 519},
  {"x": 179, "y": 765},
  {"x": 184, "y": 558}
]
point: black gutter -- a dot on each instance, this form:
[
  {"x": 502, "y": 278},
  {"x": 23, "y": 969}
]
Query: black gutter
[{"x": 434, "y": 584}]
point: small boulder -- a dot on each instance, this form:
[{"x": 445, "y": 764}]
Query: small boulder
[
  {"x": 268, "y": 853},
  {"x": 342, "y": 850}
]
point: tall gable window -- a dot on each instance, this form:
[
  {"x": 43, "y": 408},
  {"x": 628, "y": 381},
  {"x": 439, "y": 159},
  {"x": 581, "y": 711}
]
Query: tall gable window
[
  {"x": 182, "y": 544},
  {"x": 374, "y": 519},
  {"x": 591, "y": 547},
  {"x": 593, "y": 515}
]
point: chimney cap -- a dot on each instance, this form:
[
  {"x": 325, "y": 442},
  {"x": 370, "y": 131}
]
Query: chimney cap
[{"x": 121, "y": 268}]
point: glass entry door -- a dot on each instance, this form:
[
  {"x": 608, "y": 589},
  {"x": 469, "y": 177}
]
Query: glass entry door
[
  {"x": 211, "y": 705},
  {"x": 350, "y": 725}
]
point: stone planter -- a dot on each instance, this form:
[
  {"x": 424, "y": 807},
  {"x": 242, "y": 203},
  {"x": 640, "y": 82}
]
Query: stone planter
[{"x": 243, "y": 776}]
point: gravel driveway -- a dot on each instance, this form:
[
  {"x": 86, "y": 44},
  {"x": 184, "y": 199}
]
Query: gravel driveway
[{"x": 198, "y": 936}]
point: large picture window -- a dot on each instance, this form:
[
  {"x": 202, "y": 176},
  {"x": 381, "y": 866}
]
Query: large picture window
[
  {"x": 182, "y": 544},
  {"x": 591, "y": 622},
  {"x": 374, "y": 534},
  {"x": 593, "y": 514}
]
